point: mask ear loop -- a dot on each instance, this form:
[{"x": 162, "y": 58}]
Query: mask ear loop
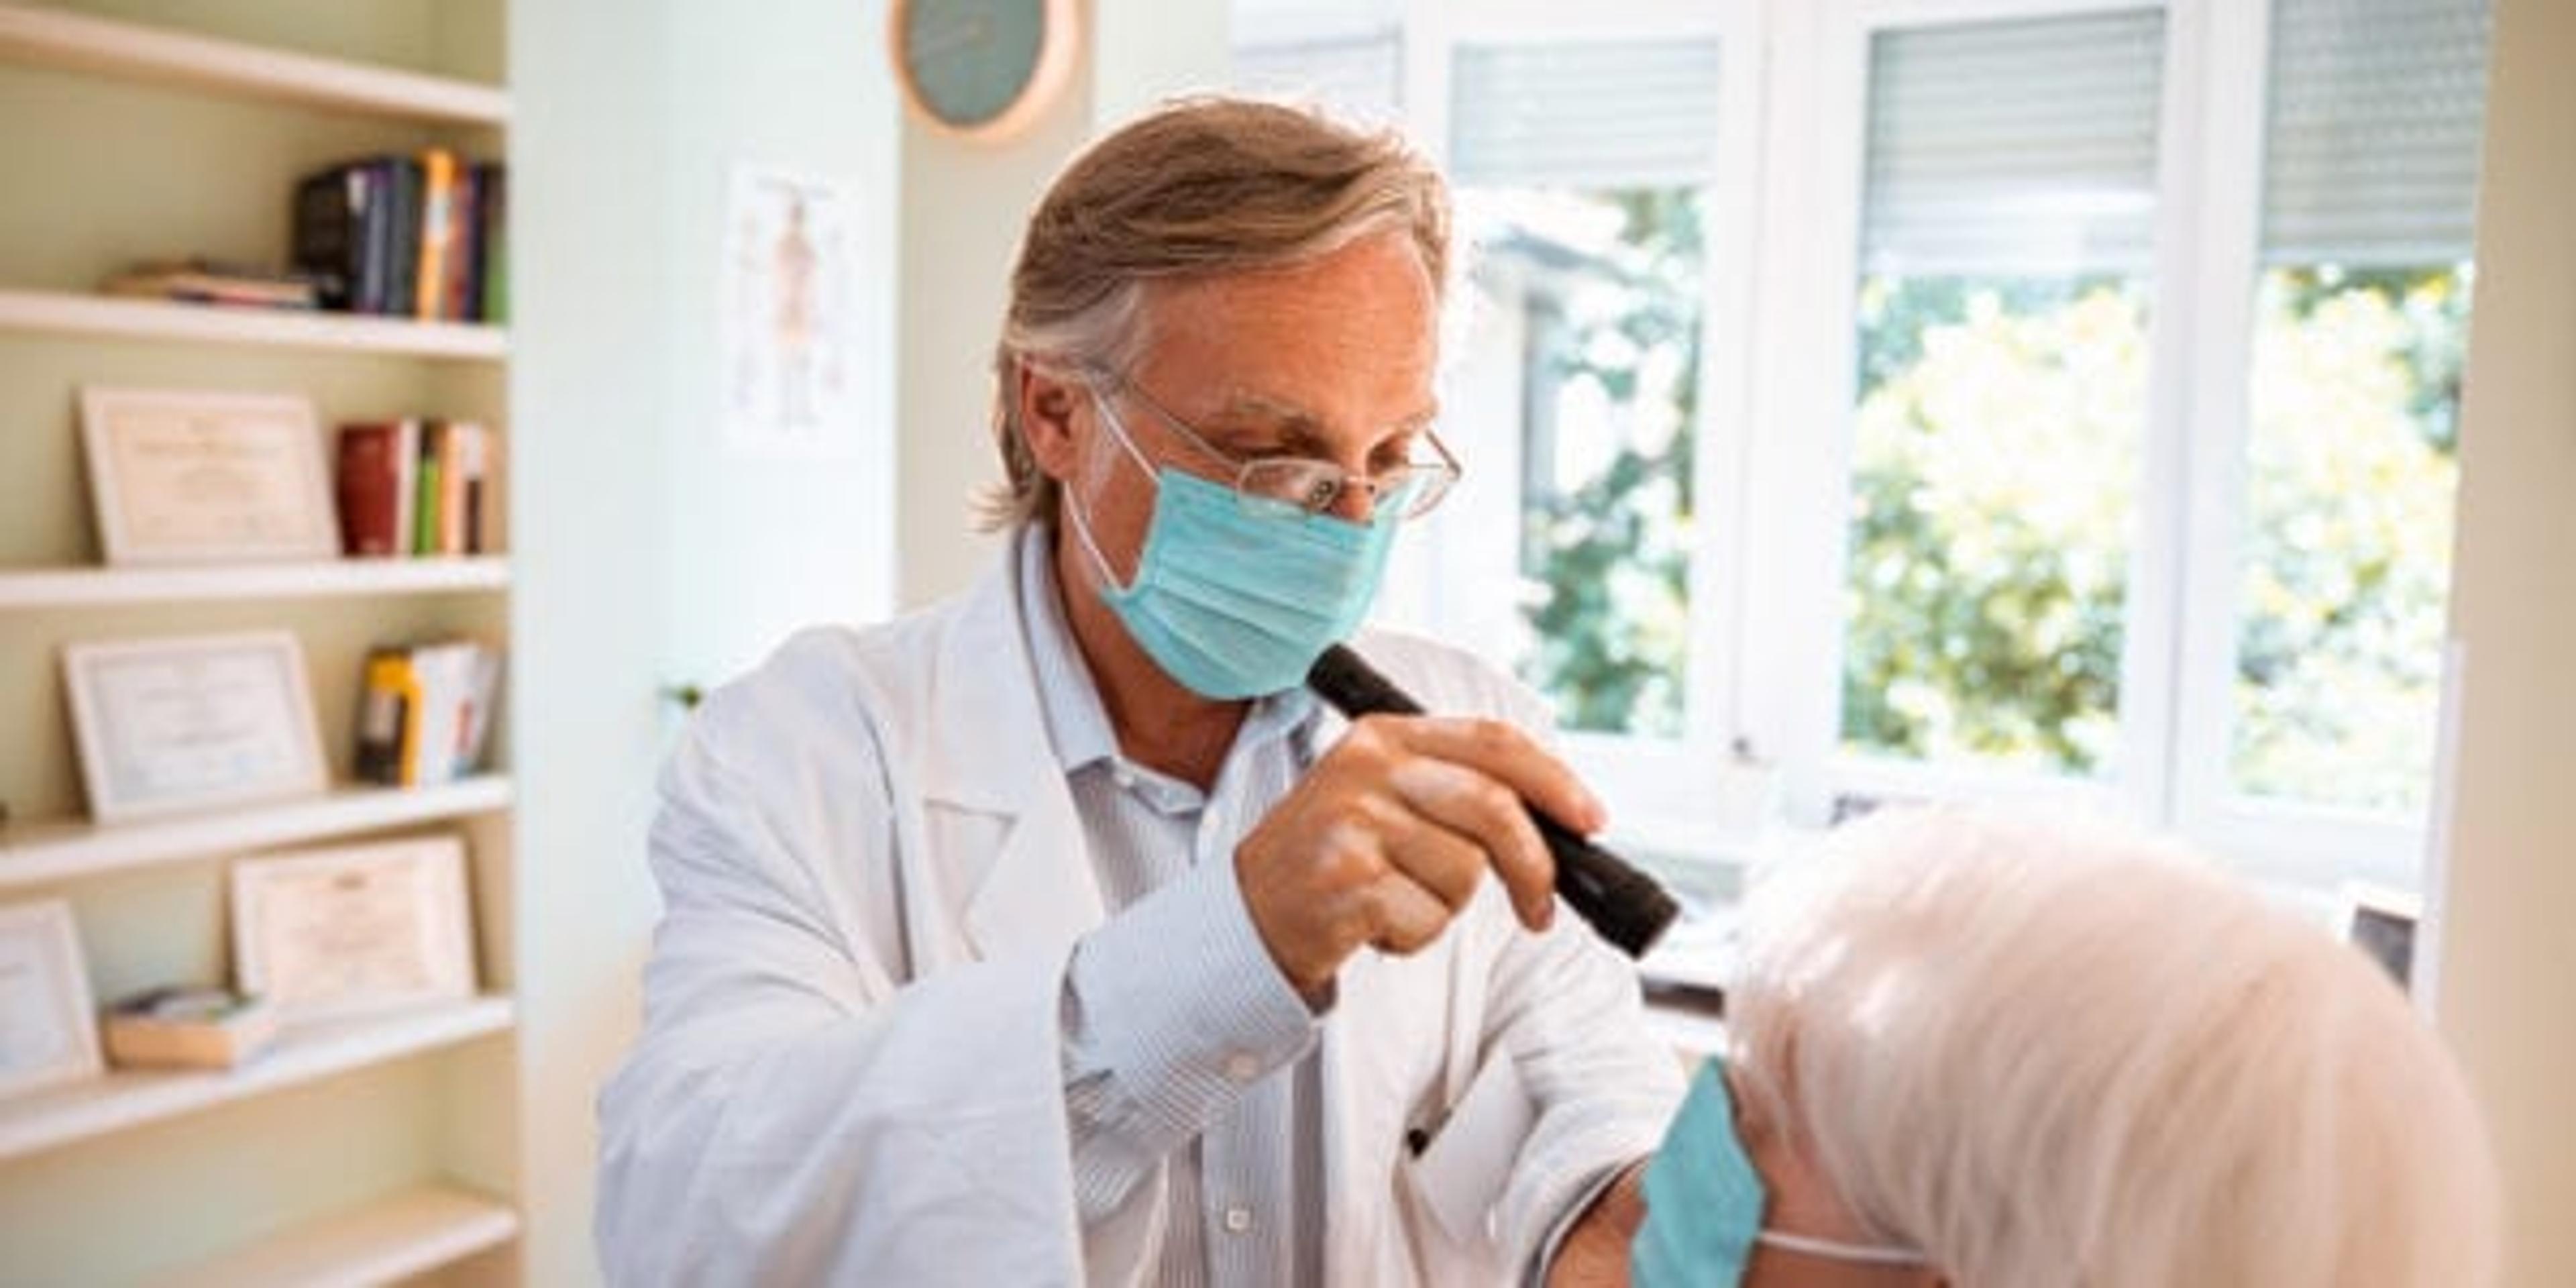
[
  {"x": 1836, "y": 1250},
  {"x": 1073, "y": 510}
]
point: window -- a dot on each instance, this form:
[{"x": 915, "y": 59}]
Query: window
[
  {"x": 1581, "y": 175},
  {"x": 1997, "y": 448},
  {"x": 2360, "y": 326},
  {"x": 1957, "y": 398}
]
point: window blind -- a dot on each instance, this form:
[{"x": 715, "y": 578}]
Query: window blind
[
  {"x": 1585, "y": 115},
  {"x": 2371, "y": 146},
  {"x": 1357, "y": 77},
  {"x": 2022, "y": 146}
]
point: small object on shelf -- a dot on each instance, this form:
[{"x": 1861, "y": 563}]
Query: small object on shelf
[
  {"x": 405, "y": 236},
  {"x": 183, "y": 476},
  {"x": 172, "y": 724},
  {"x": 189, "y": 1028},
  {"x": 410, "y": 487},
  {"x": 426, "y": 712},
  {"x": 47, "y": 1033},
  {"x": 206, "y": 281},
  {"x": 354, "y": 930}
]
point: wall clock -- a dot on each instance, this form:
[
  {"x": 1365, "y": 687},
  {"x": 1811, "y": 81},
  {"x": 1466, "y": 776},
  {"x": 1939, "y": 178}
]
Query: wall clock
[{"x": 982, "y": 69}]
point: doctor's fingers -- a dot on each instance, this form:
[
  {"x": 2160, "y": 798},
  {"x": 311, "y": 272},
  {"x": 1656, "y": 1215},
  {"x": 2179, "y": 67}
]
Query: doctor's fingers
[
  {"x": 1500, "y": 750},
  {"x": 1404, "y": 916},
  {"x": 1486, "y": 814}
]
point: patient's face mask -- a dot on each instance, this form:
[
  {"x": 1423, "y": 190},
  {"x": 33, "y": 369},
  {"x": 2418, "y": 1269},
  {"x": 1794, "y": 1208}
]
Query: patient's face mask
[
  {"x": 1234, "y": 603},
  {"x": 1705, "y": 1204}
]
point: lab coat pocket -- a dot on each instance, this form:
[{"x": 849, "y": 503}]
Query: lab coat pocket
[{"x": 1464, "y": 1163}]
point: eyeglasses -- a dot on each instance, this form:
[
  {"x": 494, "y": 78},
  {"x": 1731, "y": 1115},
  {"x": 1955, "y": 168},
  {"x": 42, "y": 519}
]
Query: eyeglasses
[{"x": 1287, "y": 486}]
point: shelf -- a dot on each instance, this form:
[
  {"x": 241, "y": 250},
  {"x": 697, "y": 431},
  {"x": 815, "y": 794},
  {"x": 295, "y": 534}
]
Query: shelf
[
  {"x": 67, "y": 313},
  {"x": 39, "y": 852},
  {"x": 88, "y": 587},
  {"x": 51, "y": 38},
  {"x": 386, "y": 1241},
  {"x": 122, "y": 1099}
]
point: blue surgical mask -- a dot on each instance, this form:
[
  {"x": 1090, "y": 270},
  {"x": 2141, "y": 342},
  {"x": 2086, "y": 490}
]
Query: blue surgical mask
[
  {"x": 1234, "y": 604},
  {"x": 1705, "y": 1203}
]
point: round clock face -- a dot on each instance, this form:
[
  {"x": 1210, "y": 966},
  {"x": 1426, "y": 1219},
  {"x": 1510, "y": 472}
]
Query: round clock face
[{"x": 982, "y": 67}]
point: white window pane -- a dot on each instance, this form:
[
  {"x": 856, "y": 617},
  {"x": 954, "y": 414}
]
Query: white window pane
[
  {"x": 1997, "y": 444},
  {"x": 2361, "y": 323},
  {"x": 1588, "y": 232}
]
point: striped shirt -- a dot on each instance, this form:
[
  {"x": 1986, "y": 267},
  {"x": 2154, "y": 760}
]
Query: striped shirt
[{"x": 1189, "y": 1062}]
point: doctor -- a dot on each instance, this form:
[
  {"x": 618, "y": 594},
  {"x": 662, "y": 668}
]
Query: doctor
[{"x": 1056, "y": 934}]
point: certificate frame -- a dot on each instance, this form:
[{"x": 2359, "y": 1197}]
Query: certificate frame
[
  {"x": 195, "y": 722},
  {"x": 198, "y": 477},
  {"x": 44, "y": 1000},
  {"x": 354, "y": 930}
]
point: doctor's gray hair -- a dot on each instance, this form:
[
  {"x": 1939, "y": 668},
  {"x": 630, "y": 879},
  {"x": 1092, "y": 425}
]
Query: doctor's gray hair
[
  {"x": 1201, "y": 187},
  {"x": 2059, "y": 1055}
]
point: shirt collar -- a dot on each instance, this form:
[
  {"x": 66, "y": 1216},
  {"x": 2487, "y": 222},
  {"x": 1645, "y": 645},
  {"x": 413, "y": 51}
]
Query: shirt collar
[{"x": 1077, "y": 723}]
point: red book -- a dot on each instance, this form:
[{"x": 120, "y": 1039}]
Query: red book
[{"x": 370, "y": 486}]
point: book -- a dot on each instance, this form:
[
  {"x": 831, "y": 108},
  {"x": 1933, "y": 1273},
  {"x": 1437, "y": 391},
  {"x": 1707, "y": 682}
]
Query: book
[
  {"x": 330, "y": 238},
  {"x": 402, "y": 245},
  {"x": 492, "y": 249},
  {"x": 204, "y": 281},
  {"x": 202, "y": 1028},
  {"x": 369, "y": 481},
  {"x": 457, "y": 289},
  {"x": 383, "y": 708},
  {"x": 375, "y": 277},
  {"x": 426, "y": 490},
  {"x": 451, "y": 488},
  {"x": 476, "y": 460},
  {"x": 437, "y": 232},
  {"x": 426, "y": 712}
]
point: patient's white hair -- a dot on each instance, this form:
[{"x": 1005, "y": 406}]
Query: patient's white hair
[{"x": 2060, "y": 1057}]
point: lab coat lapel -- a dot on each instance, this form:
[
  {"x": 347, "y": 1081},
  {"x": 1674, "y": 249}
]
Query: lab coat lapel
[{"x": 990, "y": 769}]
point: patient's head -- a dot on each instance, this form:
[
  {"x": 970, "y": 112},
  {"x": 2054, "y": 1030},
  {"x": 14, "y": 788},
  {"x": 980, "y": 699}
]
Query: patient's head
[{"x": 2043, "y": 1056}]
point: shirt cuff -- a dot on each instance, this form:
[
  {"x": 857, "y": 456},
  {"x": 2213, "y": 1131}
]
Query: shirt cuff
[{"x": 1176, "y": 1009}]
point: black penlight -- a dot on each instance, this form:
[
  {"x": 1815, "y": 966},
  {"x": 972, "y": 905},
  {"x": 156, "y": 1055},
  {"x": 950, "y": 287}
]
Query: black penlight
[{"x": 1623, "y": 904}]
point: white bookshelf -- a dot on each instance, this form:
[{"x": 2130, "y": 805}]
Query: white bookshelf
[
  {"x": 78, "y": 42},
  {"x": 39, "y": 853},
  {"x": 129, "y": 1098},
  {"x": 110, "y": 317},
  {"x": 395, "y": 1238},
  {"x": 404, "y": 1137},
  {"x": 96, "y": 587}
]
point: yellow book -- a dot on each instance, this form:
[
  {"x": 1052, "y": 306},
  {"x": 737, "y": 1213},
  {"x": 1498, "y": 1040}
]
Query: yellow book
[{"x": 437, "y": 232}]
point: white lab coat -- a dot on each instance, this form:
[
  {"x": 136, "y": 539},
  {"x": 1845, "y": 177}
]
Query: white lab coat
[{"x": 851, "y": 1069}]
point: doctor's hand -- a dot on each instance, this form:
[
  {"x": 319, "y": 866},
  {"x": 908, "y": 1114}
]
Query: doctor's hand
[{"x": 1386, "y": 839}]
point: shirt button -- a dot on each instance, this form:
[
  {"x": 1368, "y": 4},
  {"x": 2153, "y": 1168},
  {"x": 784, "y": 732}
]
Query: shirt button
[
  {"x": 1238, "y": 1219},
  {"x": 1242, "y": 1067}
]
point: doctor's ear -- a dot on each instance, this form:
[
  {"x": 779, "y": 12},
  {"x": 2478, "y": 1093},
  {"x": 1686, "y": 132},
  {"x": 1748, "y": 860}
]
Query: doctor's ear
[{"x": 1047, "y": 405}]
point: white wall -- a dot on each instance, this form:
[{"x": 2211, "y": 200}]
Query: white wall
[
  {"x": 963, "y": 205},
  {"x": 759, "y": 546},
  {"x": 647, "y": 551},
  {"x": 590, "y": 276},
  {"x": 2508, "y": 978}
]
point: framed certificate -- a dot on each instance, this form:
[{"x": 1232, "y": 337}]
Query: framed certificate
[
  {"x": 175, "y": 724},
  {"x": 354, "y": 930},
  {"x": 180, "y": 477},
  {"x": 48, "y": 1033}
]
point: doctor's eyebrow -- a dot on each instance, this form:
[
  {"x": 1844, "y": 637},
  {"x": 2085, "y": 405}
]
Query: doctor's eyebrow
[{"x": 1251, "y": 422}]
